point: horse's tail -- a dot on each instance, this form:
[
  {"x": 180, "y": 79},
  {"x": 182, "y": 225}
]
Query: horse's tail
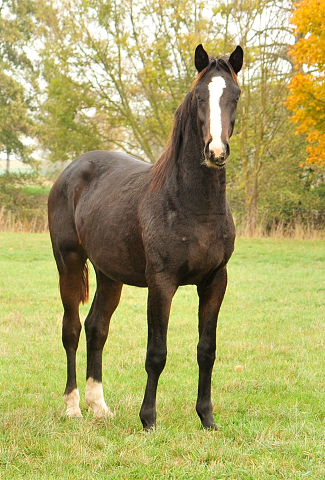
[{"x": 84, "y": 293}]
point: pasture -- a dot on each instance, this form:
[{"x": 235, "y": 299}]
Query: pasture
[{"x": 271, "y": 414}]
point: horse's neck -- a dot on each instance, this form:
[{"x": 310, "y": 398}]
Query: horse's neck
[{"x": 202, "y": 186}]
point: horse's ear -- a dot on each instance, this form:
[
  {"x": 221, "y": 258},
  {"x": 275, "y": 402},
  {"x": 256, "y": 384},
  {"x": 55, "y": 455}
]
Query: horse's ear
[
  {"x": 236, "y": 59},
  {"x": 201, "y": 58}
]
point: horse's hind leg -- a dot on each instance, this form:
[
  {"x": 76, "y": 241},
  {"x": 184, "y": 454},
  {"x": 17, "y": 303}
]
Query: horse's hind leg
[
  {"x": 74, "y": 289},
  {"x": 106, "y": 300}
]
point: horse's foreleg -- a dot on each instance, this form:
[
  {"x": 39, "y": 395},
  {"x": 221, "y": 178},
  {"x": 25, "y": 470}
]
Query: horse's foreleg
[
  {"x": 211, "y": 296},
  {"x": 160, "y": 296},
  {"x": 97, "y": 325}
]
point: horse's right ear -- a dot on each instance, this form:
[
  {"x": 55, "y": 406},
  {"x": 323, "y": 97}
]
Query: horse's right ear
[{"x": 201, "y": 58}]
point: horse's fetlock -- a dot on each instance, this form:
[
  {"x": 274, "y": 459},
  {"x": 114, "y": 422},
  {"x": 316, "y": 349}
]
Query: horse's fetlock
[
  {"x": 203, "y": 407},
  {"x": 148, "y": 418},
  {"x": 205, "y": 412}
]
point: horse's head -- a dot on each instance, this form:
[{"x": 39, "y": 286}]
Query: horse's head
[{"x": 217, "y": 92}]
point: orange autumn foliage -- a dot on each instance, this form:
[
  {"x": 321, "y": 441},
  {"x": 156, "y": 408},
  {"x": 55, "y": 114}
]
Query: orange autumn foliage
[{"x": 307, "y": 90}]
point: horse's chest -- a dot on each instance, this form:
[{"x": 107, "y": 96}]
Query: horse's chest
[
  {"x": 197, "y": 248},
  {"x": 207, "y": 247},
  {"x": 187, "y": 244}
]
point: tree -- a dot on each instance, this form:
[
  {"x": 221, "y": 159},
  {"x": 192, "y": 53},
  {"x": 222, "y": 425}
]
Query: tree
[
  {"x": 263, "y": 143},
  {"x": 307, "y": 87},
  {"x": 67, "y": 127},
  {"x": 125, "y": 65},
  {"x": 17, "y": 77},
  {"x": 14, "y": 120}
]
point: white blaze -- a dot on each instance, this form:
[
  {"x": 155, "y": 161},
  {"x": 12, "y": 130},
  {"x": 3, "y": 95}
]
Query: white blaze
[{"x": 216, "y": 87}]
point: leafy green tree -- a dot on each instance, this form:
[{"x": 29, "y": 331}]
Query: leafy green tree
[
  {"x": 17, "y": 77},
  {"x": 14, "y": 119},
  {"x": 67, "y": 127},
  {"x": 127, "y": 65}
]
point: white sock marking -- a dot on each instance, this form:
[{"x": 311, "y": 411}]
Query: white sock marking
[
  {"x": 72, "y": 403},
  {"x": 216, "y": 87},
  {"x": 95, "y": 398}
]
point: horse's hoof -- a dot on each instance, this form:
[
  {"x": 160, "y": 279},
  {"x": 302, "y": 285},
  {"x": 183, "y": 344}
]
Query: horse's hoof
[
  {"x": 74, "y": 412},
  {"x": 100, "y": 412},
  {"x": 212, "y": 427},
  {"x": 209, "y": 425},
  {"x": 149, "y": 428}
]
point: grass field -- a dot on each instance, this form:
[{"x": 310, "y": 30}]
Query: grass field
[{"x": 271, "y": 414}]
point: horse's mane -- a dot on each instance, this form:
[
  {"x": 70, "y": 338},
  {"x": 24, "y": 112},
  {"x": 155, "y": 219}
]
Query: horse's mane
[{"x": 165, "y": 163}]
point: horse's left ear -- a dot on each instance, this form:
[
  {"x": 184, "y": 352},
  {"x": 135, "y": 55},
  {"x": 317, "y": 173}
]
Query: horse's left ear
[
  {"x": 201, "y": 58},
  {"x": 236, "y": 59}
]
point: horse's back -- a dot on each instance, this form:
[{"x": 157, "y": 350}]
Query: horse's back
[
  {"x": 94, "y": 171},
  {"x": 92, "y": 166}
]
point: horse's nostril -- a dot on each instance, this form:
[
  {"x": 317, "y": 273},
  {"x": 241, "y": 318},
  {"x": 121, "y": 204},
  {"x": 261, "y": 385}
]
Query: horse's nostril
[{"x": 207, "y": 149}]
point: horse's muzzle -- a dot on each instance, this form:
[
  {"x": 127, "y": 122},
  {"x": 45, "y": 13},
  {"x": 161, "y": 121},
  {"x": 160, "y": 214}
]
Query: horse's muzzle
[{"x": 212, "y": 160}]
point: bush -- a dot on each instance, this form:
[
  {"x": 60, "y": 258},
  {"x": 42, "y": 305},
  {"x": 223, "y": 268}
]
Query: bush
[{"x": 23, "y": 200}]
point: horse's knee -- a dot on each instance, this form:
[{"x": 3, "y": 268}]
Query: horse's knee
[
  {"x": 206, "y": 355},
  {"x": 96, "y": 334},
  {"x": 156, "y": 360}
]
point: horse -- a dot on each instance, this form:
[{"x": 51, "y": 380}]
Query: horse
[{"x": 158, "y": 226}]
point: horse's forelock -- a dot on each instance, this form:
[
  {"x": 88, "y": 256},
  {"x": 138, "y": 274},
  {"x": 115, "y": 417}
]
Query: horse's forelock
[
  {"x": 221, "y": 63},
  {"x": 224, "y": 64}
]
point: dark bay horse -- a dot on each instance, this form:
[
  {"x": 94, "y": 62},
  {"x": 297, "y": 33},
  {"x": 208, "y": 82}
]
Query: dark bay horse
[{"x": 157, "y": 226}]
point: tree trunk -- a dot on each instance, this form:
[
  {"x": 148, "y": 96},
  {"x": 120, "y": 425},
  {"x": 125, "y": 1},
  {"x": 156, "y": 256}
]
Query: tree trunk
[
  {"x": 252, "y": 209},
  {"x": 8, "y": 162}
]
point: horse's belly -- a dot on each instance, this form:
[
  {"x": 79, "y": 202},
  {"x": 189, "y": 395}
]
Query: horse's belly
[
  {"x": 118, "y": 266},
  {"x": 114, "y": 247},
  {"x": 121, "y": 276},
  {"x": 123, "y": 262}
]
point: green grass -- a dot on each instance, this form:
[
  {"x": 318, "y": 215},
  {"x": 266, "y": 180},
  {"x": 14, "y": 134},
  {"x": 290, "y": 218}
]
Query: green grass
[
  {"x": 271, "y": 414},
  {"x": 37, "y": 190}
]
